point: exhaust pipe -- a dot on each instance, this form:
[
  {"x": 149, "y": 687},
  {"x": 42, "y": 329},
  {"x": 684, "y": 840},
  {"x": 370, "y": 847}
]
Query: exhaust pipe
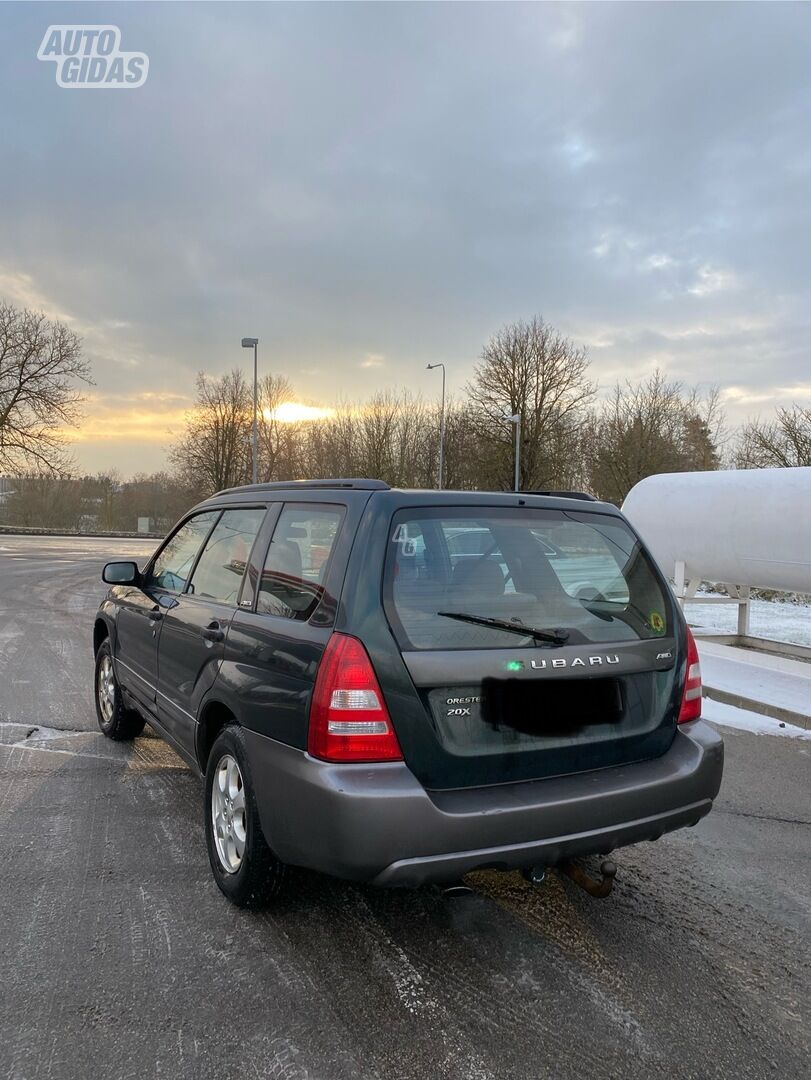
[{"x": 593, "y": 886}]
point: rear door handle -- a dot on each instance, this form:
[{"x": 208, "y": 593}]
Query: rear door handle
[
  {"x": 155, "y": 614},
  {"x": 213, "y": 632}
]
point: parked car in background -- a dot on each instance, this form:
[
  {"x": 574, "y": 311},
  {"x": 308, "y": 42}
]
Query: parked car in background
[
  {"x": 583, "y": 572},
  {"x": 403, "y": 686}
]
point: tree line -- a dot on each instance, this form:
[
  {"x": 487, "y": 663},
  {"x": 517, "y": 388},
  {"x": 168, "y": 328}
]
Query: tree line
[
  {"x": 101, "y": 503},
  {"x": 571, "y": 439}
]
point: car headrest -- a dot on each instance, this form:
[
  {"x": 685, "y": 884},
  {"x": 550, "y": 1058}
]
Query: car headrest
[
  {"x": 481, "y": 576},
  {"x": 287, "y": 558}
]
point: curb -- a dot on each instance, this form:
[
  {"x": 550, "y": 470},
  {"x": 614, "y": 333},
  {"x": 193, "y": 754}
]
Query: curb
[{"x": 774, "y": 712}]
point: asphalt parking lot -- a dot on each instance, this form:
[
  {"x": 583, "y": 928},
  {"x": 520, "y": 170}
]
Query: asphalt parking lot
[{"x": 120, "y": 958}]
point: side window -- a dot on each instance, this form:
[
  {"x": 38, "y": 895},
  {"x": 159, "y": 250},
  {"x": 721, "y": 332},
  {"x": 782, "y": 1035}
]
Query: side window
[
  {"x": 293, "y": 577},
  {"x": 173, "y": 564},
  {"x": 218, "y": 575}
]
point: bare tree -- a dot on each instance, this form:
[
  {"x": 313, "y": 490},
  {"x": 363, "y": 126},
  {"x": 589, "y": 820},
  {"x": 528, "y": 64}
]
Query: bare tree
[
  {"x": 44, "y": 500},
  {"x": 532, "y": 370},
  {"x": 463, "y": 450},
  {"x": 654, "y": 427},
  {"x": 40, "y": 365},
  {"x": 100, "y": 496},
  {"x": 527, "y": 368},
  {"x": 157, "y": 496},
  {"x": 780, "y": 443},
  {"x": 277, "y": 438},
  {"x": 215, "y": 450},
  {"x": 100, "y": 502},
  {"x": 394, "y": 436},
  {"x": 389, "y": 437}
]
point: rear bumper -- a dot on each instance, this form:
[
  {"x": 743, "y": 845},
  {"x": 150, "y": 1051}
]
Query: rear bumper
[{"x": 377, "y": 823}]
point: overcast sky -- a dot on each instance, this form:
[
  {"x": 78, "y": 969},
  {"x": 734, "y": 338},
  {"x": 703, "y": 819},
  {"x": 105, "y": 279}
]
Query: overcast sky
[{"x": 369, "y": 188}]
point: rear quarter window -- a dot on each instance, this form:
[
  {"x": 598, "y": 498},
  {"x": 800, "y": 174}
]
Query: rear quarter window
[{"x": 293, "y": 578}]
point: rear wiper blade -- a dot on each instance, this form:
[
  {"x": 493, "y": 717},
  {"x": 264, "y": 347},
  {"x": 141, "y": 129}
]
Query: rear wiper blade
[{"x": 554, "y": 637}]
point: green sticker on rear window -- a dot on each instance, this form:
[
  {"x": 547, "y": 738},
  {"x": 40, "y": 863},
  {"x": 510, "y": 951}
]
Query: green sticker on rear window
[{"x": 657, "y": 623}]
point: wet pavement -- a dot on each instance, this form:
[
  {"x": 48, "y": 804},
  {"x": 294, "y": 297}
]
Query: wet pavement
[{"x": 120, "y": 958}]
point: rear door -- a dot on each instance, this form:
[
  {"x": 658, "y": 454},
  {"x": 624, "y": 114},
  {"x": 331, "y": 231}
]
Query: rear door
[
  {"x": 274, "y": 645},
  {"x": 490, "y": 705},
  {"x": 195, "y": 627}
]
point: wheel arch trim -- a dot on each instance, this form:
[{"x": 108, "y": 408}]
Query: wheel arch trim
[
  {"x": 214, "y": 714},
  {"x": 103, "y": 629}
]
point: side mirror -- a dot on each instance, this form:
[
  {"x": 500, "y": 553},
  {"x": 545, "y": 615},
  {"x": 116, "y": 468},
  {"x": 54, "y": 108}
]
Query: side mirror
[{"x": 120, "y": 573}]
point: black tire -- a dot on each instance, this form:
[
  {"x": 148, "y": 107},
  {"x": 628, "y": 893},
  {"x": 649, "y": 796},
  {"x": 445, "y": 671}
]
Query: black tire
[
  {"x": 118, "y": 722},
  {"x": 260, "y": 876}
]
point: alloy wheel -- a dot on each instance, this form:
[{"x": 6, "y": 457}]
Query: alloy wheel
[
  {"x": 228, "y": 813},
  {"x": 106, "y": 688}
]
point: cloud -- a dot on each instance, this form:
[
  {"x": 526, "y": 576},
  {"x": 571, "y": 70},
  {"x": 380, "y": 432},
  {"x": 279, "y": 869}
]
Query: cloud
[
  {"x": 745, "y": 396},
  {"x": 658, "y": 261},
  {"x": 147, "y": 417},
  {"x": 293, "y": 412},
  {"x": 568, "y": 32},
  {"x": 103, "y": 340},
  {"x": 20, "y": 289},
  {"x": 621, "y": 171},
  {"x": 576, "y": 152},
  {"x": 711, "y": 280}
]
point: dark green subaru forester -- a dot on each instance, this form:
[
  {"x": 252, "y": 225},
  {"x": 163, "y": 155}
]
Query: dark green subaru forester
[{"x": 404, "y": 686}]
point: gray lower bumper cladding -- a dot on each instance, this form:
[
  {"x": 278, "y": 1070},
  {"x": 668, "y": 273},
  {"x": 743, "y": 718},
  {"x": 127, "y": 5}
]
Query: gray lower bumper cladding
[{"x": 377, "y": 823}]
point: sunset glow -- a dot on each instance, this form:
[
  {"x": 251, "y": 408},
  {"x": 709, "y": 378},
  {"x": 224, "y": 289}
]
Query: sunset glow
[
  {"x": 291, "y": 412},
  {"x": 146, "y": 417}
]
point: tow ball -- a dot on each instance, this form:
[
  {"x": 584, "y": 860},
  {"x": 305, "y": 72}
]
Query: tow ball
[
  {"x": 593, "y": 886},
  {"x": 535, "y": 875}
]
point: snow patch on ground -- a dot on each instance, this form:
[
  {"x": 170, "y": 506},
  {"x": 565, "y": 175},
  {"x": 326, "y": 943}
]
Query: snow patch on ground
[
  {"x": 730, "y": 716},
  {"x": 780, "y": 620}
]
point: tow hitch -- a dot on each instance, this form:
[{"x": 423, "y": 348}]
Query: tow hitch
[
  {"x": 535, "y": 875},
  {"x": 593, "y": 886}
]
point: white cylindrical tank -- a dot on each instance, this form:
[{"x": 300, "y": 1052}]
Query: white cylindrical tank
[{"x": 737, "y": 527}]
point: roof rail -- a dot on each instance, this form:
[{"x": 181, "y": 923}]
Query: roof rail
[
  {"x": 584, "y": 495},
  {"x": 359, "y": 483}
]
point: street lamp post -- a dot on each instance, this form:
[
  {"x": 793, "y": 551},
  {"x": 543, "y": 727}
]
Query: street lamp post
[
  {"x": 516, "y": 419},
  {"x": 431, "y": 367},
  {"x": 251, "y": 343}
]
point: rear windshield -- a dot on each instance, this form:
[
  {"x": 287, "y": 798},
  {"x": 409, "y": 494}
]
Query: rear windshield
[{"x": 578, "y": 575}]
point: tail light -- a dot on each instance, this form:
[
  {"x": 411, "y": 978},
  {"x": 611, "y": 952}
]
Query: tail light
[
  {"x": 691, "y": 697},
  {"x": 349, "y": 720}
]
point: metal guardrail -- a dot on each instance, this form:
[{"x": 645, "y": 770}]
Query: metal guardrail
[{"x": 22, "y": 530}]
